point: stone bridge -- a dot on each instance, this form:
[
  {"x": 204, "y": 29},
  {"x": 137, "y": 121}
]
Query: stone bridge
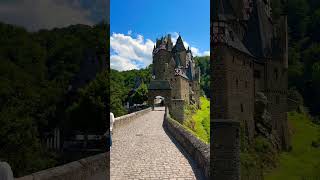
[{"x": 143, "y": 149}]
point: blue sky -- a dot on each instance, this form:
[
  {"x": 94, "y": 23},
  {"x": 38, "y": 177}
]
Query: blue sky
[{"x": 140, "y": 22}]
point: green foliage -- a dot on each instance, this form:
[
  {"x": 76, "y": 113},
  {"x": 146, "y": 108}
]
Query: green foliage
[
  {"x": 121, "y": 83},
  {"x": 204, "y": 64},
  {"x": 303, "y": 160},
  {"x": 198, "y": 120},
  {"x": 89, "y": 112},
  {"x": 298, "y": 17},
  {"x": 250, "y": 166},
  {"x": 304, "y": 50},
  {"x": 141, "y": 95},
  {"x": 268, "y": 155},
  {"x": 35, "y": 71},
  {"x": 257, "y": 157}
]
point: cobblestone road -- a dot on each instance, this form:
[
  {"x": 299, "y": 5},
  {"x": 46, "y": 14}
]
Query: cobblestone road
[{"x": 143, "y": 150}]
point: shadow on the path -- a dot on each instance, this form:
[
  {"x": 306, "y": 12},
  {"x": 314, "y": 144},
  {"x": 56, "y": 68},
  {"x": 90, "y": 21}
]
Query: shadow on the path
[{"x": 199, "y": 175}]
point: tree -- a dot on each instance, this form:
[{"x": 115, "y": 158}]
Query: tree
[{"x": 141, "y": 95}]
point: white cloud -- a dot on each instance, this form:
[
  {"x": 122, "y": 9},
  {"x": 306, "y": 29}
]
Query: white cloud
[
  {"x": 121, "y": 63},
  {"x": 135, "y": 52},
  {"x": 130, "y": 52}
]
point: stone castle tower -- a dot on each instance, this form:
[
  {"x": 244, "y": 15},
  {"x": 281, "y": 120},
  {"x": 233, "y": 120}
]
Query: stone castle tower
[
  {"x": 249, "y": 66},
  {"x": 175, "y": 76}
]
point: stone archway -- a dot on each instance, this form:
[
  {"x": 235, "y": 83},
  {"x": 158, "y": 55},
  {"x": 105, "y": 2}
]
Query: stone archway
[{"x": 159, "y": 88}]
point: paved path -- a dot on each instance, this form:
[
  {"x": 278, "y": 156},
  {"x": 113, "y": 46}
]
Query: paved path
[{"x": 143, "y": 150}]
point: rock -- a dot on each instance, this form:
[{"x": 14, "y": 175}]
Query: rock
[{"x": 263, "y": 120}]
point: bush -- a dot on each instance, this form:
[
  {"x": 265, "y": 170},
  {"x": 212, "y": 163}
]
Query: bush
[{"x": 267, "y": 153}]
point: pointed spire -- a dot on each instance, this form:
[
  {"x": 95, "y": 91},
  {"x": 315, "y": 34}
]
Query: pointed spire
[
  {"x": 179, "y": 45},
  {"x": 188, "y": 49}
]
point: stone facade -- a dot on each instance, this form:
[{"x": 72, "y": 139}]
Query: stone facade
[
  {"x": 250, "y": 56},
  {"x": 174, "y": 70},
  {"x": 226, "y": 149}
]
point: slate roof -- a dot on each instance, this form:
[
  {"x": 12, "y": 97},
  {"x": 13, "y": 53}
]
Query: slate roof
[
  {"x": 159, "y": 85},
  {"x": 223, "y": 9},
  {"x": 236, "y": 43},
  {"x": 258, "y": 38},
  {"x": 177, "y": 60},
  {"x": 179, "y": 46}
]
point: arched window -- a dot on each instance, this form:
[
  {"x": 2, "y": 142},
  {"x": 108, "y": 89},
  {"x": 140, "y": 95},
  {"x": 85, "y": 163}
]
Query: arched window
[
  {"x": 276, "y": 73},
  {"x": 277, "y": 99}
]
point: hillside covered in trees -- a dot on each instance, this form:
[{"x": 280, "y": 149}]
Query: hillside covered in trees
[
  {"x": 122, "y": 82},
  {"x": 41, "y": 73},
  {"x": 304, "y": 51}
]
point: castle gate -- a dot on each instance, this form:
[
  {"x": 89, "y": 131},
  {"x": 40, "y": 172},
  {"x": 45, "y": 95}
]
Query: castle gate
[{"x": 159, "y": 88}]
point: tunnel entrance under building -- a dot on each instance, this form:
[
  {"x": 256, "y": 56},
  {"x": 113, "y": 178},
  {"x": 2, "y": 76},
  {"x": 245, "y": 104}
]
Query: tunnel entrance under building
[
  {"x": 159, "y": 92},
  {"x": 159, "y": 101}
]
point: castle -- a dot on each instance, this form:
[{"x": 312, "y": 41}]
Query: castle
[
  {"x": 250, "y": 64},
  {"x": 175, "y": 76}
]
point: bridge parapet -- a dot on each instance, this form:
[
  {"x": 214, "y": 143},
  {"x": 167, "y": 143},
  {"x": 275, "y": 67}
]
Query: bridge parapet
[
  {"x": 84, "y": 168},
  {"x": 196, "y": 149},
  {"x": 123, "y": 120}
]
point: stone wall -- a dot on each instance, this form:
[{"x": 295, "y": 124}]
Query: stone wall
[
  {"x": 233, "y": 87},
  {"x": 196, "y": 149},
  {"x": 225, "y": 157},
  {"x": 82, "y": 169},
  {"x": 177, "y": 109},
  {"x": 123, "y": 120}
]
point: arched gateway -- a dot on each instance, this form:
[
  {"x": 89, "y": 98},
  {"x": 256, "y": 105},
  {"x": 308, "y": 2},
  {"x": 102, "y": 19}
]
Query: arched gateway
[{"x": 159, "y": 88}]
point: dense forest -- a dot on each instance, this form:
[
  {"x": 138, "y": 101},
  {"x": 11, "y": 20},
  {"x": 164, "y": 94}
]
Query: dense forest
[
  {"x": 37, "y": 71},
  {"x": 304, "y": 51},
  {"x": 122, "y": 83}
]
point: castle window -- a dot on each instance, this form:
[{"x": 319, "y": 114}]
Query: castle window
[
  {"x": 246, "y": 84},
  {"x": 241, "y": 107},
  {"x": 277, "y": 100},
  {"x": 233, "y": 59},
  {"x": 237, "y": 83},
  {"x": 257, "y": 74},
  {"x": 276, "y": 73},
  {"x": 244, "y": 62}
]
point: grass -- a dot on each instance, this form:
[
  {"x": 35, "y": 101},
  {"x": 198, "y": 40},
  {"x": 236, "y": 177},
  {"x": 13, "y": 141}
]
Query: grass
[
  {"x": 303, "y": 162},
  {"x": 198, "y": 120}
]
